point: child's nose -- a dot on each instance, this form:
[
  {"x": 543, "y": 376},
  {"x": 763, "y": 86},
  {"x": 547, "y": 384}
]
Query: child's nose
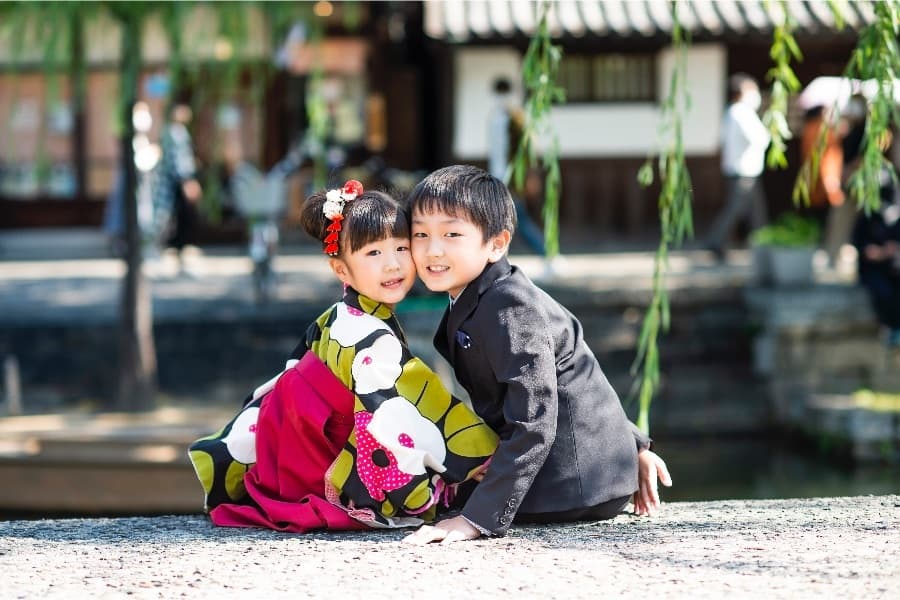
[
  {"x": 434, "y": 247},
  {"x": 392, "y": 261}
]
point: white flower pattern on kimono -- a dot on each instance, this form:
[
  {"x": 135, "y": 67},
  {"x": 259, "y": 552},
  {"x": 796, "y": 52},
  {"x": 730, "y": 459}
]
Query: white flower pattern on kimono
[
  {"x": 415, "y": 442},
  {"x": 351, "y": 325},
  {"x": 377, "y": 367},
  {"x": 241, "y": 440},
  {"x": 376, "y": 465}
]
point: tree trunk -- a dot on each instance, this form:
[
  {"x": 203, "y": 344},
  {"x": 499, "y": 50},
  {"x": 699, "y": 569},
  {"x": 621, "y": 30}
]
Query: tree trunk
[
  {"x": 137, "y": 370},
  {"x": 77, "y": 74}
]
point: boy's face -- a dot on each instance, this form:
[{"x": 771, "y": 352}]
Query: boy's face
[
  {"x": 382, "y": 270},
  {"x": 450, "y": 251}
]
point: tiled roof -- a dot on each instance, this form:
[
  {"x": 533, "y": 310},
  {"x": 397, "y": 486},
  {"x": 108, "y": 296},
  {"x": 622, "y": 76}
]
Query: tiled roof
[{"x": 465, "y": 20}]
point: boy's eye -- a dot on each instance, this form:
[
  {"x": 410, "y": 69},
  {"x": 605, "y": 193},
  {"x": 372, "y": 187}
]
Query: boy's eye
[
  {"x": 452, "y": 234},
  {"x": 402, "y": 248},
  {"x": 418, "y": 234},
  {"x": 373, "y": 252}
]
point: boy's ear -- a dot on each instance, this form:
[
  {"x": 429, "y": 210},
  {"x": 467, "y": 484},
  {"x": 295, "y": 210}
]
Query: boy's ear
[
  {"x": 499, "y": 245},
  {"x": 340, "y": 269}
]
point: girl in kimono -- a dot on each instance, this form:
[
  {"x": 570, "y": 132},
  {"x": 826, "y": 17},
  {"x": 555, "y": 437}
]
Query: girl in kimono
[{"x": 355, "y": 432}]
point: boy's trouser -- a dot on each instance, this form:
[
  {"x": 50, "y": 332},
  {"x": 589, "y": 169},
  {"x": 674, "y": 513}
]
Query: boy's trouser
[{"x": 600, "y": 512}]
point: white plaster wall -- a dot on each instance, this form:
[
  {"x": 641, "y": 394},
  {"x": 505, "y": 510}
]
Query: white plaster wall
[
  {"x": 475, "y": 70},
  {"x": 594, "y": 130}
]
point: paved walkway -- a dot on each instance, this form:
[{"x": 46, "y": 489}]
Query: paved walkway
[
  {"x": 216, "y": 282},
  {"x": 49, "y": 276},
  {"x": 819, "y": 548}
]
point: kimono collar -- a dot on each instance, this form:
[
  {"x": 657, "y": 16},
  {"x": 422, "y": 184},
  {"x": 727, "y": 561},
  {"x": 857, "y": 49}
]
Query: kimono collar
[{"x": 377, "y": 309}]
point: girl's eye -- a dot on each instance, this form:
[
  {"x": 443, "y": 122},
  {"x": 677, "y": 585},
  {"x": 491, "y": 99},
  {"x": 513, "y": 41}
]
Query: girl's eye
[
  {"x": 373, "y": 252},
  {"x": 419, "y": 234},
  {"x": 402, "y": 248}
]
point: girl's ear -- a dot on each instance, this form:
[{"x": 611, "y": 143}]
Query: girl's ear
[
  {"x": 499, "y": 245},
  {"x": 340, "y": 269}
]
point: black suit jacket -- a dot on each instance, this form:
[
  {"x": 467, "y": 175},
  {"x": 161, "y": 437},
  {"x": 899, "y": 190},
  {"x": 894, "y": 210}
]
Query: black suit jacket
[{"x": 566, "y": 442}]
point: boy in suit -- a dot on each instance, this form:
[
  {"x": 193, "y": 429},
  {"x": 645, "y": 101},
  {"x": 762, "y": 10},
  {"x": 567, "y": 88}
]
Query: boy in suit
[{"x": 567, "y": 450}]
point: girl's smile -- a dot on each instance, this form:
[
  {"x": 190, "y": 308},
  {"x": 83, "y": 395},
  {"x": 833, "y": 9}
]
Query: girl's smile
[{"x": 382, "y": 270}]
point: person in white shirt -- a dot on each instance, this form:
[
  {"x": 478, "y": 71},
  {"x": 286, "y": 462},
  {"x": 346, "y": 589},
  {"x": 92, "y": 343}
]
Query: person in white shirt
[
  {"x": 502, "y": 142},
  {"x": 744, "y": 143}
]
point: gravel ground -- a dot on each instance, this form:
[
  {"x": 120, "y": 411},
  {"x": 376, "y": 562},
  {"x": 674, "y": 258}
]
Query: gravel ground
[{"x": 821, "y": 547}]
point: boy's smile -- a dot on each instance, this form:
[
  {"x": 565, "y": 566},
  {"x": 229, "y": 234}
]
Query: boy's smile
[{"x": 450, "y": 251}]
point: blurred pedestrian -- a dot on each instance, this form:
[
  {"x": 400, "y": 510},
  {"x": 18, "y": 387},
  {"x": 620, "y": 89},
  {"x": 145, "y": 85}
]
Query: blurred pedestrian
[
  {"x": 744, "y": 142},
  {"x": 826, "y": 193},
  {"x": 176, "y": 189},
  {"x": 504, "y": 133},
  {"x": 877, "y": 240},
  {"x": 146, "y": 157},
  {"x": 842, "y": 217}
]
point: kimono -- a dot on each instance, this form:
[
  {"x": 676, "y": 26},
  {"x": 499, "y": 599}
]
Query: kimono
[{"x": 355, "y": 433}]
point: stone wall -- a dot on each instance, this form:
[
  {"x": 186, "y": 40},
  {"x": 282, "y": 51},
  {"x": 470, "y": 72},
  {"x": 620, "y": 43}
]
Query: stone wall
[
  {"x": 816, "y": 346},
  {"x": 707, "y": 383}
]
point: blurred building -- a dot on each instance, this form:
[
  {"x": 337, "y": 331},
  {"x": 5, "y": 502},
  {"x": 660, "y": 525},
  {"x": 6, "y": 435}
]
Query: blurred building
[
  {"x": 410, "y": 82},
  {"x": 58, "y": 158},
  {"x": 616, "y": 66}
]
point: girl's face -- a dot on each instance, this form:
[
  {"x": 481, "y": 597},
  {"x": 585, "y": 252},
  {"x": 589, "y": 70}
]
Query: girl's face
[{"x": 382, "y": 270}]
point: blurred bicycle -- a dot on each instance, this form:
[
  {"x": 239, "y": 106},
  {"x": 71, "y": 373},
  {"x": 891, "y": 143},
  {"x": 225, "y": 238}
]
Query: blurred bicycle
[{"x": 261, "y": 198}]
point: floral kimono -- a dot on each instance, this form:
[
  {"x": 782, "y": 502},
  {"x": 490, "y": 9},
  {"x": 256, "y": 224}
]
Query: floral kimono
[{"x": 356, "y": 433}]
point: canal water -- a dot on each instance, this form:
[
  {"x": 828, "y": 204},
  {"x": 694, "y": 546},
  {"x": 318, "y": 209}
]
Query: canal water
[{"x": 715, "y": 468}]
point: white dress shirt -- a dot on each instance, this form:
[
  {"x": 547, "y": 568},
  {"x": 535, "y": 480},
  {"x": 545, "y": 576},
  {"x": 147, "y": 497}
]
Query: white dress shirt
[{"x": 744, "y": 141}]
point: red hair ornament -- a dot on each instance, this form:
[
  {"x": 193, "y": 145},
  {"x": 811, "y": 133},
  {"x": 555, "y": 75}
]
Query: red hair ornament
[{"x": 334, "y": 211}]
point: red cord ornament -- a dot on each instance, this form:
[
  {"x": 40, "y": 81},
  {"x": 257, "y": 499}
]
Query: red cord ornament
[{"x": 334, "y": 211}]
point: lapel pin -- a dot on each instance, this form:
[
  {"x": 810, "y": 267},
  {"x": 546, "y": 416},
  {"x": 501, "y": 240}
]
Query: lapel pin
[{"x": 463, "y": 340}]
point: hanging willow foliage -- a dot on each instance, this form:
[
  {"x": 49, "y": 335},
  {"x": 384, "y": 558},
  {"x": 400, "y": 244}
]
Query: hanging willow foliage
[
  {"x": 676, "y": 220},
  {"x": 539, "y": 72},
  {"x": 784, "y": 83},
  {"x": 875, "y": 61},
  {"x": 877, "y": 57}
]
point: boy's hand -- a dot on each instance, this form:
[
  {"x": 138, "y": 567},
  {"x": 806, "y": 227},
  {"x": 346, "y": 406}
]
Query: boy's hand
[
  {"x": 448, "y": 531},
  {"x": 650, "y": 467}
]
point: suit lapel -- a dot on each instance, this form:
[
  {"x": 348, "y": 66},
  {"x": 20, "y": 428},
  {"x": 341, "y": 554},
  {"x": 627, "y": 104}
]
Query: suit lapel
[
  {"x": 441, "y": 340},
  {"x": 467, "y": 302}
]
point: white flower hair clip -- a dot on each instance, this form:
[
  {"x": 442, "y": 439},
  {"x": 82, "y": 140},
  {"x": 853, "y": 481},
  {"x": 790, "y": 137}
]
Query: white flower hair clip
[{"x": 334, "y": 211}]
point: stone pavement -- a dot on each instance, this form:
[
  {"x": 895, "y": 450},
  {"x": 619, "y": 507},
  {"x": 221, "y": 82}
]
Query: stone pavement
[
  {"x": 217, "y": 282},
  {"x": 56, "y": 276},
  {"x": 817, "y": 548}
]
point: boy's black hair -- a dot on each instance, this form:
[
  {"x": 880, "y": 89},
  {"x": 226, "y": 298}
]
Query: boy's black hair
[
  {"x": 371, "y": 217},
  {"x": 466, "y": 192}
]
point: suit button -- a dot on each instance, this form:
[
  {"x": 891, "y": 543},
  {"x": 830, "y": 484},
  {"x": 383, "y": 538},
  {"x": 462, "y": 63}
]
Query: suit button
[
  {"x": 504, "y": 520},
  {"x": 511, "y": 503}
]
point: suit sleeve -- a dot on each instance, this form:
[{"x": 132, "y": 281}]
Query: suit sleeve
[
  {"x": 520, "y": 353},
  {"x": 641, "y": 439}
]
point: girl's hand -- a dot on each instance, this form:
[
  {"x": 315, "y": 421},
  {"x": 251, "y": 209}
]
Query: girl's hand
[
  {"x": 650, "y": 468},
  {"x": 456, "y": 529}
]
